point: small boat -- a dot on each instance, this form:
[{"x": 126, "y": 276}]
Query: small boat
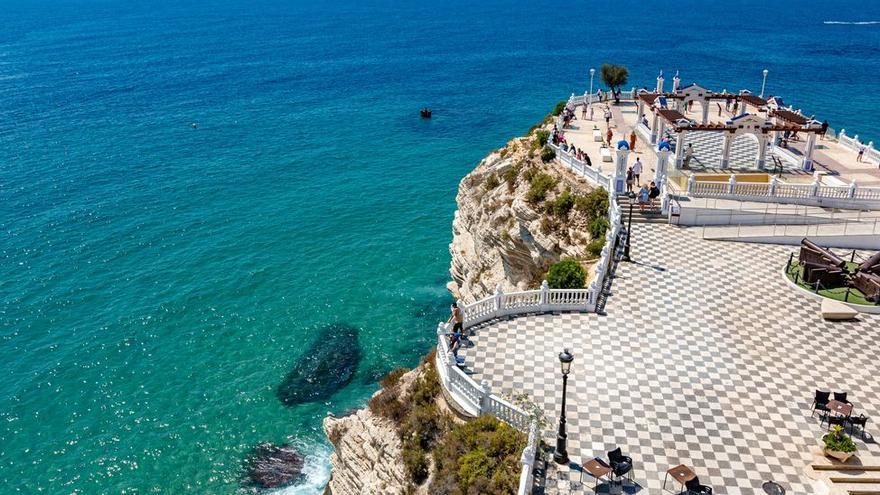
[{"x": 425, "y": 113}]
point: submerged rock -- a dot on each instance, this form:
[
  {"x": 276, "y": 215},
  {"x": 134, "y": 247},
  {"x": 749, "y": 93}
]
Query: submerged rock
[
  {"x": 272, "y": 466},
  {"x": 328, "y": 365}
]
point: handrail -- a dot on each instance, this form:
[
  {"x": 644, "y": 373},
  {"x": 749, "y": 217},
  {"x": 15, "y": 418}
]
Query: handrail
[{"x": 814, "y": 194}]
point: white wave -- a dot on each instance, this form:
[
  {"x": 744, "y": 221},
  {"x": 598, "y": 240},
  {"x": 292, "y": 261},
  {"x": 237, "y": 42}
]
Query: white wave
[
  {"x": 316, "y": 472},
  {"x": 852, "y": 23}
]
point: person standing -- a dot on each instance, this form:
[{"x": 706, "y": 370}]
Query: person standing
[
  {"x": 688, "y": 154},
  {"x": 858, "y": 158},
  {"x": 458, "y": 316},
  {"x": 629, "y": 180},
  {"x": 607, "y": 116},
  {"x": 824, "y": 129},
  {"x": 653, "y": 194},
  {"x": 637, "y": 169},
  {"x": 609, "y": 135},
  {"x": 643, "y": 197},
  {"x": 632, "y": 141}
]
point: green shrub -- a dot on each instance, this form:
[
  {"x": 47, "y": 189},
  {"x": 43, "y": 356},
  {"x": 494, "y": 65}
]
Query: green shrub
[
  {"x": 425, "y": 389},
  {"x": 559, "y": 108},
  {"x": 562, "y": 205},
  {"x": 386, "y": 405},
  {"x": 837, "y": 440},
  {"x": 541, "y": 136},
  {"x": 510, "y": 175},
  {"x": 541, "y": 184},
  {"x": 392, "y": 377},
  {"x": 597, "y": 227},
  {"x": 566, "y": 274},
  {"x": 491, "y": 182},
  {"x": 595, "y": 247},
  {"x": 478, "y": 457},
  {"x": 547, "y": 154},
  {"x": 416, "y": 462},
  {"x": 594, "y": 204}
]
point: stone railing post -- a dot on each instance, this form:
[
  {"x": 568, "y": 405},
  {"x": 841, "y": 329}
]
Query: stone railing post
[
  {"x": 774, "y": 182},
  {"x": 499, "y": 300},
  {"x": 692, "y": 184},
  {"x": 545, "y": 295},
  {"x": 814, "y": 187},
  {"x": 856, "y": 140},
  {"x": 731, "y": 184},
  {"x": 486, "y": 398},
  {"x": 841, "y": 134},
  {"x": 852, "y": 189}
]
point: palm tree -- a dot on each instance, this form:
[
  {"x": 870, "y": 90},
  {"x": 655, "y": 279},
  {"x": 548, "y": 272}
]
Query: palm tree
[{"x": 614, "y": 76}]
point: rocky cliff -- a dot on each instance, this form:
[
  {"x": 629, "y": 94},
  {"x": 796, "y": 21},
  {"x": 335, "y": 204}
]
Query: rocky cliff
[{"x": 516, "y": 216}]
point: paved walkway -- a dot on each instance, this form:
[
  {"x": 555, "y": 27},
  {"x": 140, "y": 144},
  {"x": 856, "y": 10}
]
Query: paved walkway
[{"x": 706, "y": 357}]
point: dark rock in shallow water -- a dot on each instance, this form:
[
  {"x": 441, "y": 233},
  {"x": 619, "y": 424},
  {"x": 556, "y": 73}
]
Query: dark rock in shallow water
[
  {"x": 328, "y": 365},
  {"x": 272, "y": 466}
]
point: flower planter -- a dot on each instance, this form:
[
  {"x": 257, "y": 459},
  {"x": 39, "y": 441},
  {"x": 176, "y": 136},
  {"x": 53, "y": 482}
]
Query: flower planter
[{"x": 840, "y": 456}]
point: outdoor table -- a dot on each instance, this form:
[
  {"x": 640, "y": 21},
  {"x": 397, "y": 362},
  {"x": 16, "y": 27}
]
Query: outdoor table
[
  {"x": 841, "y": 408},
  {"x": 681, "y": 473},
  {"x": 597, "y": 469}
]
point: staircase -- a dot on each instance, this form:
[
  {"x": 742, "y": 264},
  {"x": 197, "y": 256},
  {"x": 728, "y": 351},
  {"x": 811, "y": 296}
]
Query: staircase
[
  {"x": 858, "y": 476},
  {"x": 648, "y": 216}
]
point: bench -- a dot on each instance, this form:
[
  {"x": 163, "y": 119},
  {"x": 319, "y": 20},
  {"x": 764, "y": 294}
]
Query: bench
[
  {"x": 606, "y": 154},
  {"x": 597, "y": 135}
]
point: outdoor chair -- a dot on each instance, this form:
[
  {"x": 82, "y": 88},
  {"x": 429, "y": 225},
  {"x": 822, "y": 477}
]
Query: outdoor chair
[
  {"x": 841, "y": 397},
  {"x": 834, "y": 420},
  {"x": 620, "y": 464},
  {"x": 859, "y": 421},
  {"x": 695, "y": 488},
  {"x": 820, "y": 402}
]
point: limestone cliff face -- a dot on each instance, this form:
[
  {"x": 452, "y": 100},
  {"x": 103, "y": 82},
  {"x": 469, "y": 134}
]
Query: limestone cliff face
[{"x": 503, "y": 236}]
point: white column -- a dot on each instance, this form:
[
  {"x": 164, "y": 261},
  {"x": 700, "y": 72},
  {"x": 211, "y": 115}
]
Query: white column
[
  {"x": 808, "y": 152},
  {"x": 641, "y": 111},
  {"x": 762, "y": 152},
  {"x": 662, "y": 165},
  {"x": 659, "y": 88},
  {"x": 725, "y": 154},
  {"x": 676, "y": 83},
  {"x": 705, "y": 111},
  {"x": 485, "y": 399},
  {"x": 661, "y": 128},
  {"x": 654, "y": 123},
  {"x": 620, "y": 171},
  {"x": 679, "y": 148}
]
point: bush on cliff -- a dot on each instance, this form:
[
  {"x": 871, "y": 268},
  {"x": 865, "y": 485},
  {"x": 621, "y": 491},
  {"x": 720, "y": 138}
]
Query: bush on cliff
[
  {"x": 559, "y": 107},
  {"x": 594, "y": 204},
  {"x": 541, "y": 138},
  {"x": 491, "y": 182},
  {"x": 562, "y": 205},
  {"x": 595, "y": 247},
  {"x": 478, "y": 457},
  {"x": 597, "y": 227},
  {"x": 547, "y": 154},
  {"x": 510, "y": 176},
  {"x": 541, "y": 184},
  {"x": 566, "y": 274}
]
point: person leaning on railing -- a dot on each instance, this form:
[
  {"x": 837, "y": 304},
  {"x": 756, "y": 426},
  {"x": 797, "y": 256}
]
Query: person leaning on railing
[{"x": 458, "y": 315}]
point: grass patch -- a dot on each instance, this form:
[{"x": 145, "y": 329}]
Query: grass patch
[
  {"x": 541, "y": 184},
  {"x": 837, "y": 293}
]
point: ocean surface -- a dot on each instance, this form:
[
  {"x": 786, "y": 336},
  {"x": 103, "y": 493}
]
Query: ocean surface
[{"x": 158, "y": 280}]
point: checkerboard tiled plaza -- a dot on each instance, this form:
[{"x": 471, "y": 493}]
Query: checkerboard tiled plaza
[
  {"x": 705, "y": 358},
  {"x": 709, "y": 147}
]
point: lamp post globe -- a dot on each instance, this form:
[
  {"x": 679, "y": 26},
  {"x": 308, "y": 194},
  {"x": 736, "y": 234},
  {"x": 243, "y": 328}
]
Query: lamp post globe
[
  {"x": 592, "y": 72},
  {"x": 560, "y": 456},
  {"x": 764, "y": 81}
]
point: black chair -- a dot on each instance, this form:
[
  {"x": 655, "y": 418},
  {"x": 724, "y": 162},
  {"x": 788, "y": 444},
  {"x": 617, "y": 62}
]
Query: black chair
[
  {"x": 820, "y": 402},
  {"x": 834, "y": 420},
  {"x": 859, "y": 421},
  {"x": 695, "y": 488},
  {"x": 620, "y": 464},
  {"x": 841, "y": 397}
]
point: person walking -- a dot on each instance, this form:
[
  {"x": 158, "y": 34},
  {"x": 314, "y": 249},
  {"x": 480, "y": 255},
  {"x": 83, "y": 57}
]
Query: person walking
[
  {"x": 643, "y": 197},
  {"x": 607, "y": 116},
  {"x": 584, "y": 111},
  {"x": 653, "y": 194},
  {"x": 637, "y": 169},
  {"x": 629, "y": 180},
  {"x": 632, "y": 141},
  {"x": 861, "y": 152},
  {"x": 458, "y": 316},
  {"x": 609, "y": 135},
  {"x": 688, "y": 154}
]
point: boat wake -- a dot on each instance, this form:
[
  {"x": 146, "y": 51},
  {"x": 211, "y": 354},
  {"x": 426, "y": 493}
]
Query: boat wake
[
  {"x": 852, "y": 23},
  {"x": 316, "y": 472}
]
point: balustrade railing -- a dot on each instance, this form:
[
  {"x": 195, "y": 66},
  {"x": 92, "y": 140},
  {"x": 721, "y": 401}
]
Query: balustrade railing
[{"x": 815, "y": 193}]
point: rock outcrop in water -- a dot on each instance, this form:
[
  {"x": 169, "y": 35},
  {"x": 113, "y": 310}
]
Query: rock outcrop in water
[
  {"x": 501, "y": 235},
  {"x": 328, "y": 365},
  {"x": 272, "y": 466}
]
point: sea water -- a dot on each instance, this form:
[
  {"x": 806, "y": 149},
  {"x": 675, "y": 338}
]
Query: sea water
[{"x": 191, "y": 191}]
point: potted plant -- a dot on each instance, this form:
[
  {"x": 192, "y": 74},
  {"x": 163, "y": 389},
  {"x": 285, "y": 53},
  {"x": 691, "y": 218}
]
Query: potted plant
[{"x": 838, "y": 445}]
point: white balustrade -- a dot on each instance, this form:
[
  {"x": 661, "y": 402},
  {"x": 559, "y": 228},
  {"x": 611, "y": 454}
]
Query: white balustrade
[{"x": 815, "y": 194}]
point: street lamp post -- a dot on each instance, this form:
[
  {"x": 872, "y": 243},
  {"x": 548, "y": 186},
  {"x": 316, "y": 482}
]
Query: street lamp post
[
  {"x": 629, "y": 227},
  {"x": 764, "y": 82},
  {"x": 561, "y": 454},
  {"x": 592, "y": 72}
]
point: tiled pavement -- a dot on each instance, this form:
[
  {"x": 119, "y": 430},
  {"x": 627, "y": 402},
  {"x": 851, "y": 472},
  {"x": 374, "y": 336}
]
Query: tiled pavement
[{"x": 706, "y": 357}]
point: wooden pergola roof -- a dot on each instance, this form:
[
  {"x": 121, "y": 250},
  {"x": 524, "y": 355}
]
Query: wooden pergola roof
[
  {"x": 753, "y": 100},
  {"x": 789, "y": 116}
]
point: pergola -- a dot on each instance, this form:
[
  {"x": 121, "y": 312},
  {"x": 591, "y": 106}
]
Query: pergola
[{"x": 769, "y": 117}]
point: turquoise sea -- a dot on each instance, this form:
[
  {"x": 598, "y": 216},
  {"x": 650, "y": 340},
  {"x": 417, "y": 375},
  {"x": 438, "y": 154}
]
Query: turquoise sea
[{"x": 159, "y": 280}]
